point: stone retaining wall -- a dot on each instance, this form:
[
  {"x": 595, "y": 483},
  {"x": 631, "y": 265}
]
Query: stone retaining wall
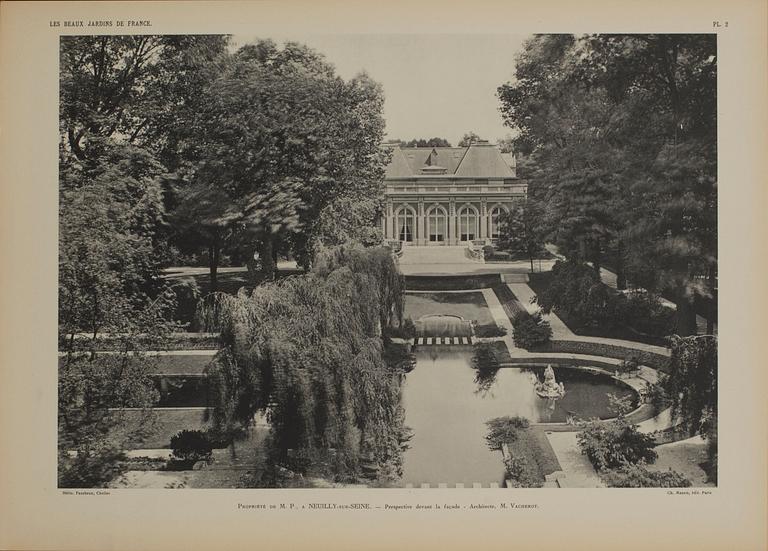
[{"x": 651, "y": 359}]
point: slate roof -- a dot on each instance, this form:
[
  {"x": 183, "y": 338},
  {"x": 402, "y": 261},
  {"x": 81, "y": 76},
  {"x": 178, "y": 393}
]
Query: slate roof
[{"x": 479, "y": 160}]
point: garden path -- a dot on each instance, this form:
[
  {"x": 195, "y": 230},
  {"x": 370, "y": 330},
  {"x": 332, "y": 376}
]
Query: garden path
[{"x": 579, "y": 472}]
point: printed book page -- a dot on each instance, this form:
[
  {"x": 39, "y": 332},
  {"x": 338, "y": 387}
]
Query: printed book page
[{"x": 301, "y": 275}]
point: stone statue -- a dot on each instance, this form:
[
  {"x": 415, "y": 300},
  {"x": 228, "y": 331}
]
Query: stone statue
[{"x": 549, "y": 388}]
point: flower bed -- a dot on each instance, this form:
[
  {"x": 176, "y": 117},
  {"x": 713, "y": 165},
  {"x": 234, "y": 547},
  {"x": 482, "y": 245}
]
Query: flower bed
[{"x": 508, "y": 300}]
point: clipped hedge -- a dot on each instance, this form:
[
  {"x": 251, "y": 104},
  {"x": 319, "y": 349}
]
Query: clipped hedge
[
  {"x": 451, "y": 282},
  {"x": 651, "y": 359}
]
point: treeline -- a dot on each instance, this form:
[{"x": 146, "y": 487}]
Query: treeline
[
  {"x": 619, "y": 134},
  {"x": 175, "y": 145}
]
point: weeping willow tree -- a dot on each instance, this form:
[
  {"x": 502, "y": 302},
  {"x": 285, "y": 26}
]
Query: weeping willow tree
[
  {"x": 309, "y": 351},
  {"x": 692, "y": 389}
]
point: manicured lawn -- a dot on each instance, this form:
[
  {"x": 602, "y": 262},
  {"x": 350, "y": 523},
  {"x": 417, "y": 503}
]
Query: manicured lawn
[
  {"x": 533, "y": 446},
  {"x": 535, "y": 439},
  {"x": 470, "y": 306}
]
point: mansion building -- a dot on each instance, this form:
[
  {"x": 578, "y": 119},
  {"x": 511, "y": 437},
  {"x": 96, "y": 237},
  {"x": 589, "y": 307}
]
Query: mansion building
[{"x": 448, "y": 195}]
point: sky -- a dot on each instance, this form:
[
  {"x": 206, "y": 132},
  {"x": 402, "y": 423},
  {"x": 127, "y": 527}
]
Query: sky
[{"x": 435, "y": 85}]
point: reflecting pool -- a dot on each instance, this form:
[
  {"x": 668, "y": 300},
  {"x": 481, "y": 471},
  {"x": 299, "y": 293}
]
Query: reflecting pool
[{"x": 447, "y": 407}]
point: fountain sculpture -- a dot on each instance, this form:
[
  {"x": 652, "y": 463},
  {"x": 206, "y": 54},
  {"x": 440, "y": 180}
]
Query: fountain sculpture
[{"x": 549, "y": 388}]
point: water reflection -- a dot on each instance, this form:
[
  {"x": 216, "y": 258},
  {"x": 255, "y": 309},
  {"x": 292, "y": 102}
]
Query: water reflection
[
  {"x": 447, "y": 403},
  {"x": 486, "y": 367}
]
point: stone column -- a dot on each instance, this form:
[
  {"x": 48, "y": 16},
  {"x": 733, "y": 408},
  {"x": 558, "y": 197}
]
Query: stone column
[
  {"x": 452, "y": 237},
  {"x": 390, "y": 232},
  {"x": 421, "y": 237},
  {"x": 484, "y": 220}
]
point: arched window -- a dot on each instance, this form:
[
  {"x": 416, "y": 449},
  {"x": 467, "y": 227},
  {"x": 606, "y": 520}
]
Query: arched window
[
  {"x": 405, "y": 223},
  {"x": 495, "y": 213},
  {"x": 468, "y": 223},
  {"x": 437, "y": 225}
]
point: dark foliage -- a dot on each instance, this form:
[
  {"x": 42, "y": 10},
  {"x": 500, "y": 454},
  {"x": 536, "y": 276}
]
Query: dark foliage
[
  {"x": 489, "y": 331},
  {"x": 614, "y": 444},
  {"x": 504, "y": 430},
  {"x": 530, "y": 330},
  {"x": 190, "y": 446},
  {"x": 638, "y": 476}
]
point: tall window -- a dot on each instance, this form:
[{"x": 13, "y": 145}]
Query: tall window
[
  {"x": 437, "y": 224},
  {"x": 467, "y": 223},
  {"x": 405, "y": 222},
  {"x": 495, "y": 213}
]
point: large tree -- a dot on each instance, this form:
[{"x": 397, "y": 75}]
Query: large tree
[
  {"x": 309, "y": 350},
  {"x": 117, "y": 97},
  {"x": 282, "y": 138},
  {"x": 130, "y": 88},
  {"x": 520, "y": 230},
  {"x": 621, "y": 133}
]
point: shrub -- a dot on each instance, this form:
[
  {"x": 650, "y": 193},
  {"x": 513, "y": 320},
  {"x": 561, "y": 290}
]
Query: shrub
[
  {"x": 504, "y": 430},
  {"x": 490, "y": 330},
  {"x": 90, "y": 470},
  {"x": 638, "y": 476},
  {"x": 521, "y": 472},
  {"x": 629, "y": 364},
  {"x": 645, "y": 313},
  {"x": 407, "y": 330},
  {"x": 488, "y": 252},
  {"x": 575, "y": 290},
  {"x": 190, "y": 446},
  {"x": 619, "y": 405},
  {"x": 530, "y": 330},
  {"x": 614, "y": 444},
  {"x": 399, "y": 358}
]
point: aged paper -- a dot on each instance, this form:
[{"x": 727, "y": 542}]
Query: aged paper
[{"x": 35, "y": 514}]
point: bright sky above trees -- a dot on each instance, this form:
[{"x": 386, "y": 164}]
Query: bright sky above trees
[{"x": 434, "y": 84}]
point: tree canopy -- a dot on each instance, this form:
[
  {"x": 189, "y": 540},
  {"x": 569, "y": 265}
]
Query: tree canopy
[
  {"x": 431, "y": 142},
  {"x": 621, "y": 133},
  {"x": 281, "y": 139},
  {"x": 468, "y": 139}
]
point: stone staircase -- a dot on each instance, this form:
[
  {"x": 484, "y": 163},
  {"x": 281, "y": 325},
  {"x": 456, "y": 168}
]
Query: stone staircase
[
  {"x": 444, "y": 254},
  {"x": 430, "y": 341}
]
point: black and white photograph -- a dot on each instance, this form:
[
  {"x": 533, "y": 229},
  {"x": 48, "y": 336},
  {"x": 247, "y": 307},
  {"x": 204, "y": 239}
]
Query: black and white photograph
[
  {"x": 322, "y": 274},
  {"x": 388, "y": 261}
]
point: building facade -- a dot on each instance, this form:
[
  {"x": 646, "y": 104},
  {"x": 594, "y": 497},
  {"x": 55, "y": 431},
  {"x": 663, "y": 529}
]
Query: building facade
[{"x": 448, "y": 195}]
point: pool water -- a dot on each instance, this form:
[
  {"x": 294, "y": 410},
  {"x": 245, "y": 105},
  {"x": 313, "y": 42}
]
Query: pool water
[{"x": 447, "y": 409}]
